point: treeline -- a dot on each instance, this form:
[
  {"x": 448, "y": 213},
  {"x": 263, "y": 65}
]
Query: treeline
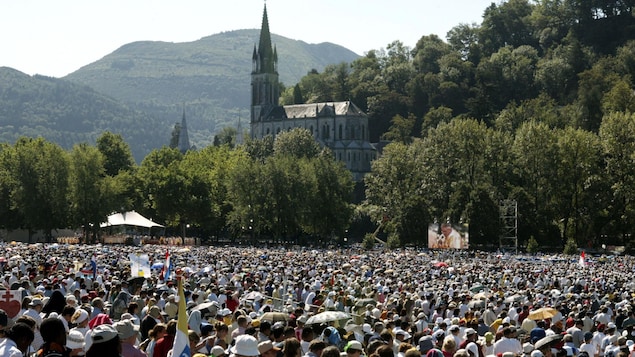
[
  {"x": 534, "y": 104},
  {"x": 575, "y": 55},
  {"x": 67, "y": 113},
  {"x": 283, "y": 189}
]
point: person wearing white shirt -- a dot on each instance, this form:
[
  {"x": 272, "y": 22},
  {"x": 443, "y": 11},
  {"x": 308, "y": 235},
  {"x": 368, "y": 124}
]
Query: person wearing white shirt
[
  {"x": 588, "y": 345},
  {"x": 508, "y": 343},
  {"x": 598, "y": 336},
  {"x": 17, "y": 341}
]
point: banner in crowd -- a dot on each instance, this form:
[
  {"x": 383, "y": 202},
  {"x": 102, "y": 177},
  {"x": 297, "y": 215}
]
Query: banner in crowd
[
  {"x": 10, "y": 302},
  {"x": 448, "y": 236},
  {"x": 139, "y": 265}
]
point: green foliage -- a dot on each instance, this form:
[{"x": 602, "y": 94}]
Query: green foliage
[
  {"x": 227, "y": 136},
  {"x": 116, "y": 153},
  {"x": 401, "y": 129},
  {"x": 571, "y": 247},
  {"x": 297, "y": 142},
  {"x": 369, "y": 241},
  {"x": 532, "y": 245},
  {"x": 534, "y": 104},
  {"x": 67, "y": 113},
  {"x": 174, "y": 137},
  {"x": 207, "y": 74},
  {"x": 41, "y": 171},
  {"x": 393, "y": 241}
]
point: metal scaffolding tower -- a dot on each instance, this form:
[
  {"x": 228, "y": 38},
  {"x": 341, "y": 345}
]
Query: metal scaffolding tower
[{"x": 509, "y": 225}]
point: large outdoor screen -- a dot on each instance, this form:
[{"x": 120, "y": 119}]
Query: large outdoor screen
[{"x": 448, "y": 236}]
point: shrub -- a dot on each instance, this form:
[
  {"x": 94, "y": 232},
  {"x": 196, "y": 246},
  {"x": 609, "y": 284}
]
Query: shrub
[{"x": 571, "y": 247}]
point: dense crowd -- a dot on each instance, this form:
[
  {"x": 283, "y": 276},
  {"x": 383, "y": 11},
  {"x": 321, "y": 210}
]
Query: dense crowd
[{"x": 281, "y": 302}]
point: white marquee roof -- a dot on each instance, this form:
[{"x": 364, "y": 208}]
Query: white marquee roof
[{"x": 131, "y": 218}]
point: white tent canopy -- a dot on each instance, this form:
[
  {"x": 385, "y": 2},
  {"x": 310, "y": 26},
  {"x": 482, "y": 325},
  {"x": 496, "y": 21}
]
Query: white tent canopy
[{"x": 131, "y": 218}]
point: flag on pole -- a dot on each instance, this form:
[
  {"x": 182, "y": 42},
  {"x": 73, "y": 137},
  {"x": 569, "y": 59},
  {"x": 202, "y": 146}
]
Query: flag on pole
[
  {"x": 582, "y": 260},
  {"x": 181, "y": 346},
  {"x": 167, "y": 267},
  {"x": 93, "y": 265}
]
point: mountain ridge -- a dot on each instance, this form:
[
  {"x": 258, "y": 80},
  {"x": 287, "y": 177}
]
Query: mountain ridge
[{"x": 140, "y": 89}]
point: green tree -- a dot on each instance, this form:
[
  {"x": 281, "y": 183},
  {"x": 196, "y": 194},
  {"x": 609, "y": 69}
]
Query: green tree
[
  {"x": 401, "y": 129},
  {"x": 618, "y": 144},
  {"x": 593, "y": 85},
  {"x": 174, "y": 137},
  {"x": 427, "y": 52},
  {"x": 163, "y": 185},
  {"x": 247, "y": 196},
  {"x": 435, "y": 117},
  {"x": 41, "y": 170},
  {"x": 507, "y": 24},
  {"x": 463, "y": 39},
  {"x": 620, "y": 98},
  {"x": 578, "y": 176},
  {"x": 116, "y": 153},
  {"x": 399, "y": 188},
  {"x": 260, "y": 149},
  {"x": 532, "y": 245},
  {"x": 298, "y": 98},
  {"x": 297, "y": 142},
  {"x": 90, "y": 190},
  {"x": 369, "y": 241},
  {"x": 329, "y": 194},
  {"x": 536, "y": 162},
  {"x": 393, "y": 241},
  {"x": 227, "y": 136},
  {"x": 571, "y": 247},
  {"x": 9, "y": 216}
]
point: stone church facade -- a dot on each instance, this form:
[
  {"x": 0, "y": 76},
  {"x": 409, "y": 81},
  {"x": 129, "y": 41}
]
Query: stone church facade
[{"x": 340, "y": 126}]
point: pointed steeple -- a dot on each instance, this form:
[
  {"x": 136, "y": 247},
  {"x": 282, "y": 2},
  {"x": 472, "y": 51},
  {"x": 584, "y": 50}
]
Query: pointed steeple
[
  {"x": 184, "y": 138},
  {"x": 265, "y": 50}
]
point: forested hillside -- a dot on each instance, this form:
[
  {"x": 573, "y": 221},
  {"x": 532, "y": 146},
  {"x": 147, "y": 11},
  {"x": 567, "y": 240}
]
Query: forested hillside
[
  {"x": 211, "y": 76},
  {"x": 67, "y": 113},
  {"x": 534, "y": 104}
]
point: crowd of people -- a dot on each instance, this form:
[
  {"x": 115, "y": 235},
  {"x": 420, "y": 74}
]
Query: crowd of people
[{"x": 84, "y": 300}]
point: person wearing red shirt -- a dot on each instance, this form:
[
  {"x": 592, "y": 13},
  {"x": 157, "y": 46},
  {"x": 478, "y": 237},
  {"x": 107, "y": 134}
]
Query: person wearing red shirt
[{"x": 164, "y": 345}]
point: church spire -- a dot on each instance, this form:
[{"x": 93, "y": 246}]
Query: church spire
[
  {"x": 265, "y": 50},
  {"x": 184, "y": 138}
]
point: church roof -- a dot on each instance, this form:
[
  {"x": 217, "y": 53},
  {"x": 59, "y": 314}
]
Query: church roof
[{"x": 313, "y": 110}]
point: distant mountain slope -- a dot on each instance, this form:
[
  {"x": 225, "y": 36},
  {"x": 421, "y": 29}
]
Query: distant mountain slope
[
  {"x": 68, "y": 113},
  {"x": 210, "y": 76}
]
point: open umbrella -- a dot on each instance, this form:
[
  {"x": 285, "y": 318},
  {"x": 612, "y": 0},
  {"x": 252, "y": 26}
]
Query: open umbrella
[
  {"x": 547, "y": 341},
  {"x": 365, "y": 301},
  {"x": 542, "y": 313},
  {"x": 207, "y": 308},
  {"x": 253, "y": 295},
  {"x": 481, "y": 296},
  {"x": 513, "y": 298},
  {"x": 274, "y": 316},
  {"x": 440, "y": 265},
  {"x": 327, "y": 316},
  {"x": 476, "y": 304}
]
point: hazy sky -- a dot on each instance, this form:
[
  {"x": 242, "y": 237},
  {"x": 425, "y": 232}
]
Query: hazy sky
[{"x": 57, "y": 37}]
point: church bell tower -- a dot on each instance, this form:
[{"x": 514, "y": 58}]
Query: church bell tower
[{"x": 265, "y": 91}]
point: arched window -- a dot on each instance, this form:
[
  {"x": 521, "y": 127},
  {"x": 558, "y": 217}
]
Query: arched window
[
  {"x": 311, "y": 129},
  {"x": 363, "y": 132},
  {"x": 340, "y": 132},
  {"x": 278, "y": 130},
  {"x": 268, "y": 131}
]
